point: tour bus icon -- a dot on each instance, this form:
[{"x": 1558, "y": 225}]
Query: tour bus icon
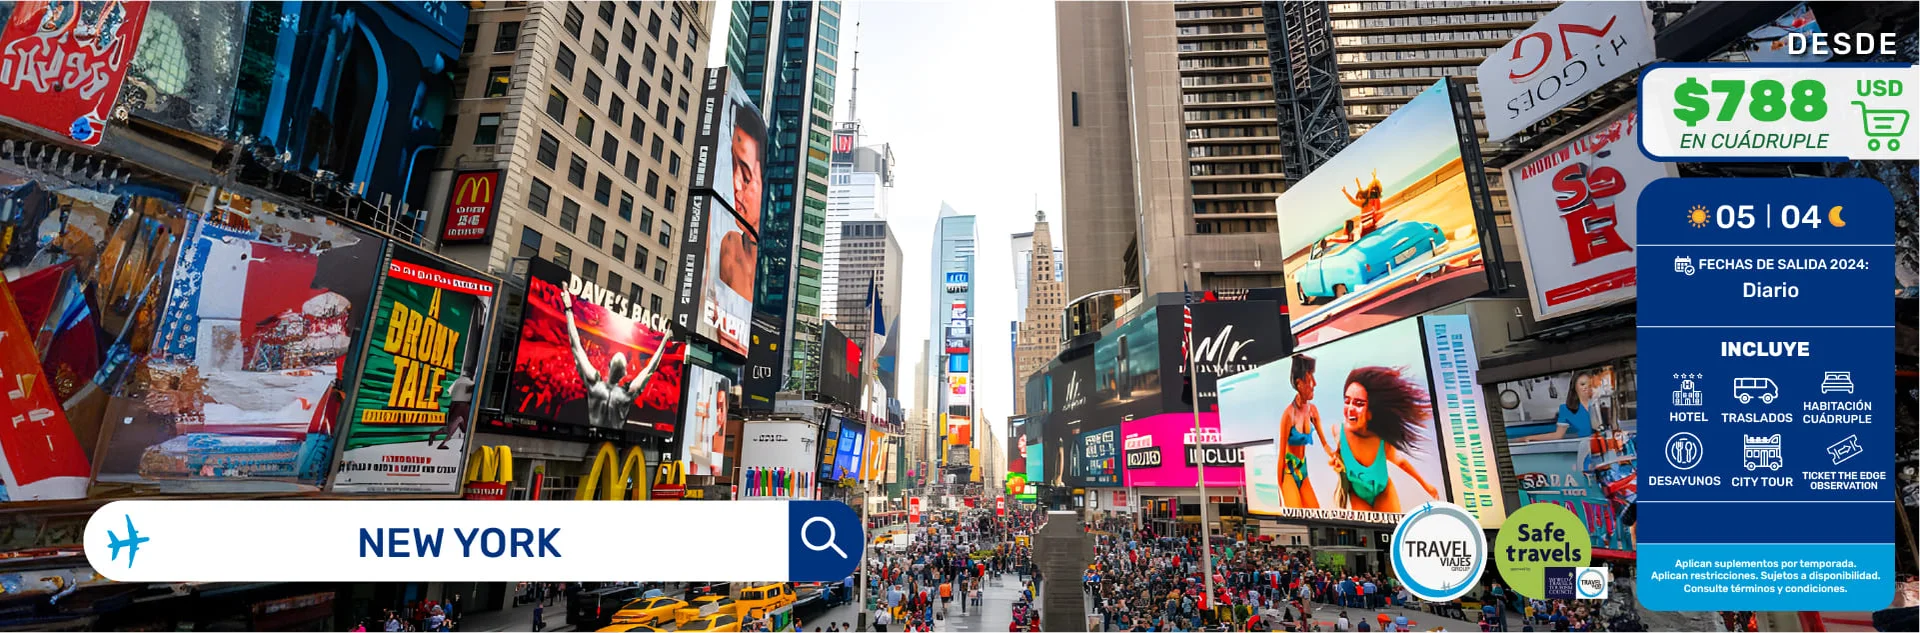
[{"x": 1746, "y": 389}]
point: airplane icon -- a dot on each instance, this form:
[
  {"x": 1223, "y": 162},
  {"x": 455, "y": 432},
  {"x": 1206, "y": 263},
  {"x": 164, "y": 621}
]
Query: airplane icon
[{"x": 131, "y": 542}]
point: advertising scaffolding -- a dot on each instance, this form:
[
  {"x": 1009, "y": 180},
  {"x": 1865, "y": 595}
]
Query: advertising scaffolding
[
  {"x": 840, "y": 376},
  {"x": 1387, "y": 229},
  {"x": 428, "y": 336},
  {"x": 588, "y": 356}
]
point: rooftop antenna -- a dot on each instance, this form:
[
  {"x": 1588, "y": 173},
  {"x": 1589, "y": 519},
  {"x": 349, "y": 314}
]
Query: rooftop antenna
[{"x": 853, "y": 96}]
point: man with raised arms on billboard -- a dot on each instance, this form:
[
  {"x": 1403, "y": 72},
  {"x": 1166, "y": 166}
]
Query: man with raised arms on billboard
[{"x": 608, "y": 400}]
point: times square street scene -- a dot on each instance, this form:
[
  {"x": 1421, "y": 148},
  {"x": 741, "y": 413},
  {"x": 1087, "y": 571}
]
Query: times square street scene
[{"x": 1189, "y": 315}]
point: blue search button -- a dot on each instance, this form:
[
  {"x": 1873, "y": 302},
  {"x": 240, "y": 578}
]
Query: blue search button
[{"x": 825, "y": 541}]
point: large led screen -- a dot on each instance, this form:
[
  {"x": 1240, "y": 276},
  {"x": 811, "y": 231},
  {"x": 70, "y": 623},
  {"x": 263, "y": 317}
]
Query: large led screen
[
  {"x": 588, "y": 356},
  {"x": 1386, "y": 229},
  {"x": 1354, "y": 421}
]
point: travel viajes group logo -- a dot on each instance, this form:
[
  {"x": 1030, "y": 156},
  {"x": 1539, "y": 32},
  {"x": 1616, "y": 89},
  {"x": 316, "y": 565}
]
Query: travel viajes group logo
[{"x": 1439, "y": 551}]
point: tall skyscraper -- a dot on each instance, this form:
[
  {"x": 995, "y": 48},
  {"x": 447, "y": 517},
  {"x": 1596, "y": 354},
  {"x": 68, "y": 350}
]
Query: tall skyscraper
[
  {"x": 859, "y": 181},
  {"x": 950, "y": 348},
  {"x": 1161, "y": 205},
  {"x": 787, "y": 54},
  {"x": 1039, "y": 336},
  {"x": 581, "y": 112},
  {"x": 1168, "y": 153},
  {"x": 1022, "y": 261},
  {"x": 868, "y": 253}
]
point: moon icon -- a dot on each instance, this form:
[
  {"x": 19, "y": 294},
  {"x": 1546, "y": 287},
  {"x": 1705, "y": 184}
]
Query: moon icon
[{"x": 1833, "y": 216}]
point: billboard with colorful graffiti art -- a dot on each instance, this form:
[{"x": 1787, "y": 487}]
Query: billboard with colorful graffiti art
[{"x": 241, "y": 389}]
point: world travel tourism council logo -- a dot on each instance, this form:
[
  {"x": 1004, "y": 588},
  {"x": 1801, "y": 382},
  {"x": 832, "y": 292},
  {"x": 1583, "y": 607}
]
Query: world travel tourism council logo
[{"x": 1439, "y": 551}]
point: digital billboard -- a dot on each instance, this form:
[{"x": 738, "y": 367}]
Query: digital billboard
[
  {"x": 1573, "y": 438},
  {"x": 727, "y": 309},
  {"x": 849, "y": 450},
  {"x": 702, "y": 444},
  {"x": 588, "y": 355},
  {"x": 1099, "y": 456},
  {"x": 1229, "y": 337},
  {"x": 729, "y": 147},
  {"x": 1361, "y": 447},
  {"x": 1165, "y": 450},
  {"x": 1385, "y": 230},
  {"x": 840, "y": 362},
  {"x": 777, "y": 459},
  {"x": 1127, "y": 366},
  {"x": 417, "y": 384},
  {"x": 1576, "y": 209}
]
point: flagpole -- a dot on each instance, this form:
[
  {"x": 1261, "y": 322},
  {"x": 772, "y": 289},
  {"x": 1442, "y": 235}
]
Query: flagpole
[{"x": 1200, "y": 465}]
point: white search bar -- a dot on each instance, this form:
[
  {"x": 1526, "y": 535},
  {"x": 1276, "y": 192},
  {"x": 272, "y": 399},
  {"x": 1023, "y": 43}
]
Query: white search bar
[{"x": 481, "y": 541}]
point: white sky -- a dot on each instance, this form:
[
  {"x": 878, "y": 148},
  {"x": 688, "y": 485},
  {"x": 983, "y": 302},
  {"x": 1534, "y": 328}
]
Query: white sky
[{"x": 966, "y": 93}]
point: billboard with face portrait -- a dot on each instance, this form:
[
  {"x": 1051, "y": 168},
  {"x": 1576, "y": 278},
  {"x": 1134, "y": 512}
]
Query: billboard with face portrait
[
  {"x": 1385, "y": 230},
  {"x": 705, "y": 421},
  {"x": 731, "y": 253},
  {"x": 1353, "y": 422},
  {"x": 729, "y": 147},
  {"x": 589, "y": 355}
]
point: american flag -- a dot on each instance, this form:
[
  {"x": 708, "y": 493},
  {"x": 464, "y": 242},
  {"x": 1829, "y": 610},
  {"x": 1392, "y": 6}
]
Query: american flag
[{"x": 1186, "y": 321}]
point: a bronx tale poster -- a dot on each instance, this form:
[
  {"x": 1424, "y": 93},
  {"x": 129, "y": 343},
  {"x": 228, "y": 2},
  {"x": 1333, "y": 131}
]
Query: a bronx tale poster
[{"x": 410, "y": 421}]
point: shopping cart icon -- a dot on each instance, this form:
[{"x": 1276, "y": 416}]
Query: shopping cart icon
[{"x": 1888, "y": 124}]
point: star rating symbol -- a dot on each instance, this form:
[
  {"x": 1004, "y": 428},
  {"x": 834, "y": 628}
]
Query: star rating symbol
[{"x": 1688, "y": 376}]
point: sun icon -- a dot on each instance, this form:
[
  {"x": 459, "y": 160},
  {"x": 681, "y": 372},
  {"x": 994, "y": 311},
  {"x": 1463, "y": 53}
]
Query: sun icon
[{"x": 1697, "y": 216}]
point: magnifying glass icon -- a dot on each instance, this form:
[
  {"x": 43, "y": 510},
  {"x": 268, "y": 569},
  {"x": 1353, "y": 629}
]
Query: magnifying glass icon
[{"x": 832, "y": 534}]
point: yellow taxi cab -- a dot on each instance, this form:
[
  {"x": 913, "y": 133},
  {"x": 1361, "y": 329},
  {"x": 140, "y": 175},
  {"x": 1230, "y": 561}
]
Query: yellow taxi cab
[
  {"x": 647, "y": 610},
  {"x": 627, "y": 628},
  {"x": 715, "y": 622},
  {"x": 754, "y": 601},
  {"x": 704, "y": 606}
]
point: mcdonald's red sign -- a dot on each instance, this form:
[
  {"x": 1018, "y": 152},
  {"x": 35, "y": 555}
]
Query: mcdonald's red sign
[{"x": 471, "y": 205}]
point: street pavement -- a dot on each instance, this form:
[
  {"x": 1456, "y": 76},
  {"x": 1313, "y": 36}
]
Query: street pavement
[{"x": 994, "y": 614}]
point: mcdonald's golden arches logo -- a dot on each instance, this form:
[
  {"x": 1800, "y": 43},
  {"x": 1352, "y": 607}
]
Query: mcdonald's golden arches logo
[
  {"x": 612, "y": 477},
  {"x": 671, "y": 483},
  {"x": 489, "y": 473},
  {"x": 471, "y": 206}
]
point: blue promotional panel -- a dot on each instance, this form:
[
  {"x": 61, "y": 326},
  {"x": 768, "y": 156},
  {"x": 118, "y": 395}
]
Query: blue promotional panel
[{"x": 1766, "y": 356}]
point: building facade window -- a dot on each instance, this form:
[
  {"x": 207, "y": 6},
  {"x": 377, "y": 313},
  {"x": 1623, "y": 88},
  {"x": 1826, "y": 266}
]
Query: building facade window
[
  {"x": 577, "y": 171},
  {"x": 603, "y": 190},
  {"x": 549, "y": 152},
  {"x": 488, "y": 130},
  {"x": 596, "y": 231},
  {"x": 563, "y": 62},
  {"x": 556, "y": 105},
  {"x": 590, "y": 270},
  {"x": 575, "y": 21},
  {"x": 507, "y": 38},
  {"x": 529, "y": 243},
  {"x": 620, "y": 246},
  {"x": 591, "y": 89},
  {"x": 583, "y": 128},
  {"x": 563, "y": 255},
  {"x": 626, "y": 207},
  {"x": 569, "y": 215},
  {"x": 537, "y": 195},
  {"x": 499, "y": 78},
  {"x": 609, "y": 147}
]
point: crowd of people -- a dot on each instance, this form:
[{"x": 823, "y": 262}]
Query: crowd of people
[{"x": 944, "y": 568}]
